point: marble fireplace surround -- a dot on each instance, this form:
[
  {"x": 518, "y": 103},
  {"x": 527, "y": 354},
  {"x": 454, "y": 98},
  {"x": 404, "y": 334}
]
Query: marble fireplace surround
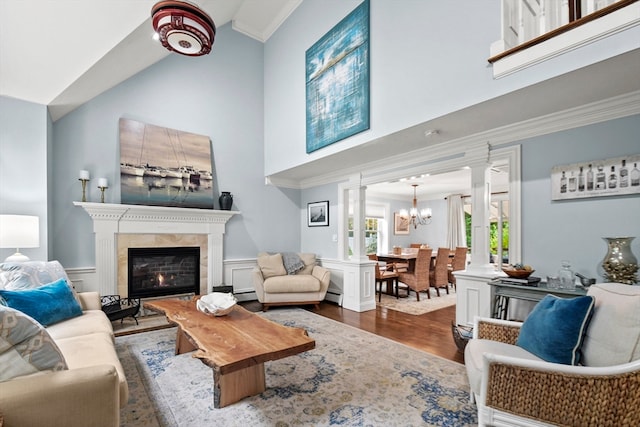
[{"x": 118, "y": 227}]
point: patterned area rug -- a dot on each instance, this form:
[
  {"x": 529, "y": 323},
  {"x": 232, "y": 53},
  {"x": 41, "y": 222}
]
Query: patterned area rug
[
  {"x": 351, "y": 378},
  {"x": 425, "y": 305}
]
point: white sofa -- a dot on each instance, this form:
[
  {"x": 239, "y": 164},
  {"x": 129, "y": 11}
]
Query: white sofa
[
  {"x": 514, "y": 387},
  {"x": 304, "y": 283},
  {"x": 90, "y": 392}
]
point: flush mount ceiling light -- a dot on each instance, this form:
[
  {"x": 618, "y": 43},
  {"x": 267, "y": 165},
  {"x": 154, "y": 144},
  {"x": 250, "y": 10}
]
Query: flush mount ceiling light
[{"x": 183, "y": 27}]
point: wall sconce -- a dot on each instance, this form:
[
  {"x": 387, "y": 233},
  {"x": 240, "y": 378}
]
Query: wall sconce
[{"x": 19, "y": 231}]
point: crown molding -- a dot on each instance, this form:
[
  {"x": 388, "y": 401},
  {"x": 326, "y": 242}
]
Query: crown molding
[{"x": 609, "y": 109}]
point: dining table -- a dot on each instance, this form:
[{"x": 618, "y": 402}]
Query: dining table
[{"x": 409, "y": 257}]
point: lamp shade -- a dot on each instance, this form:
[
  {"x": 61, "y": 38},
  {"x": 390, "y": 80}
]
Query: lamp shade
[
  {"x": 19, "y": 231},
  {"x": 183, "y": 27}
]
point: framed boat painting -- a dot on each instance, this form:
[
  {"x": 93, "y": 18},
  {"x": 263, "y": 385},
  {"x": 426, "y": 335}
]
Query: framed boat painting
[
  {"x": 164, "y": 167},
  {"x": 337, "y": 81}
]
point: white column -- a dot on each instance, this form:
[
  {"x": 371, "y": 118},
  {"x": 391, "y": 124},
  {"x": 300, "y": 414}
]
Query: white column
[
  {"x": 480, "y": 212},
  {"x": 359, "y": 271},
  {"x": 473, "y": 294}
]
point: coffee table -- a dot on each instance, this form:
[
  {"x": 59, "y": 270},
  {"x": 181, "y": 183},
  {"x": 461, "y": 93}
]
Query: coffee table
[{"x": 235, "y": 346}]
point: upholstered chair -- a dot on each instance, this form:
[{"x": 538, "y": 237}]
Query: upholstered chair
[{"x": 519, "y": 381}]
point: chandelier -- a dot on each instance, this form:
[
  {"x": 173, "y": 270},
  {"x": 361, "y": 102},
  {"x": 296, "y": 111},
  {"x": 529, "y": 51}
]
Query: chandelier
[
  {"x": 183, "y": 27},
  {"x": 422, "y": 217}
]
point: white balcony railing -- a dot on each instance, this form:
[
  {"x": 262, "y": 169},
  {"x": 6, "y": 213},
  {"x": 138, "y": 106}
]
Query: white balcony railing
[{"x": 530, "y": 23}]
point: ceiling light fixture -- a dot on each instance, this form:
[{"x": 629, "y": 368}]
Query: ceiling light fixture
[
  {"x": 422, "y": 217},
  {"x": 183, "y": 27}
]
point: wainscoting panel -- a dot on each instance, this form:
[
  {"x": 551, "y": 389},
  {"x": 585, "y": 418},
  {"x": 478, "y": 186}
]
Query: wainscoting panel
[
  {"x": 237, "y": 273},
  {"x": 83, "y": 279},
  {"x": 336, "y": 286}
]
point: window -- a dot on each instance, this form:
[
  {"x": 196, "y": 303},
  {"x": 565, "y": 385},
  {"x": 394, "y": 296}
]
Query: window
[
  {"x": 372, "y": 231},
  {"x": 375, "y": 226},
  {"x": 498, "y": 227}
]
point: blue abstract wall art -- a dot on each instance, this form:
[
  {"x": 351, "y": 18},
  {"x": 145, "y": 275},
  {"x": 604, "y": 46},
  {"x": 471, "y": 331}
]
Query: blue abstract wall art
[{"x": 337, "y": 81}]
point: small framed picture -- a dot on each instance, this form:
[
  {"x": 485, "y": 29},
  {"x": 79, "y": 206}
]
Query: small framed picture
[
  {"x": 318, "y": 214},
  {"x": 400, "y": 224}
]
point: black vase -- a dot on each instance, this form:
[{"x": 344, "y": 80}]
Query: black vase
[{"x": 226, "y": 200}]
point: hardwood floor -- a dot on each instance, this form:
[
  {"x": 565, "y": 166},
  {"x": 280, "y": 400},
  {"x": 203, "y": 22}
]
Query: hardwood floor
[{"x": 430, "y": 332}]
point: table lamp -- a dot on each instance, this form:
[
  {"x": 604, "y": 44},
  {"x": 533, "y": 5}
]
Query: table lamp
[{"x": 19, "y": 231}]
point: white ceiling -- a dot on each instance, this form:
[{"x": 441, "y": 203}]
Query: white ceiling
[
  {"x": 48, "y": 56},
  {"x": 62, "y": 53}
]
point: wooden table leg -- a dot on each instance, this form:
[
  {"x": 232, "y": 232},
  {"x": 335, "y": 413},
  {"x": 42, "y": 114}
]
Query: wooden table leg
[
  {"x": 235, "y": 386},
  {"x": 183, "y": 344}
]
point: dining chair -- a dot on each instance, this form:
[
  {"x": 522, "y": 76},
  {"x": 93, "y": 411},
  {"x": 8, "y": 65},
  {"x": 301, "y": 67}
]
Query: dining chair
[
  {"x": 459, "y": 263},
  {"x": 439, "y": 274},
  {"x": 374, "y": 257},
  {"x": 389, "y": 278},
  {"x": 418, "y": 279}
]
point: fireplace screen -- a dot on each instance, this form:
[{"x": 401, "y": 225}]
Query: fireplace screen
[{"x": 163, "y": 271}]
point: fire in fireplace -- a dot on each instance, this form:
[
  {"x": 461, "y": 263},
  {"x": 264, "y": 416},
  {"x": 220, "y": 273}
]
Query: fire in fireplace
[{"x": 157, "y": 272}]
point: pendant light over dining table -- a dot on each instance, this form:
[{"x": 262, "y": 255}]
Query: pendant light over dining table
[
  {"x": 183, "y": 27},
  {"x": 416, "y": 217}
]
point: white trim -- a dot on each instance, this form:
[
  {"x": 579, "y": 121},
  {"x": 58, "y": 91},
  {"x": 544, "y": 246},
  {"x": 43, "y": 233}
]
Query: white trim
[
  {"x": 609, "y": 109},
  {"x": 577, "y": 37}
]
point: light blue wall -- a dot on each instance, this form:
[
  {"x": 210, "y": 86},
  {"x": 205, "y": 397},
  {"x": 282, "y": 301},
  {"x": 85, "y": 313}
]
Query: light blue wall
[
  {"x": 551, "y": 230},
  {"x": 219, "y": 95},
  {"x": 573, "y": 229},
  {"x": 23, "y": 166},
  {"x": 427, "y": 60}
]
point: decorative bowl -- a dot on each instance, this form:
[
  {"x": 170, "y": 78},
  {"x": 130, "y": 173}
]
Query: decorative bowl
[
  {"x": 517, "y": 274},
  {"x": 216, "y": 303}
]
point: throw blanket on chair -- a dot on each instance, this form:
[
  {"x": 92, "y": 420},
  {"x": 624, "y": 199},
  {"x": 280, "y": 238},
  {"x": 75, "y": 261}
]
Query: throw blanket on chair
[{"x": 292, "y": 262}]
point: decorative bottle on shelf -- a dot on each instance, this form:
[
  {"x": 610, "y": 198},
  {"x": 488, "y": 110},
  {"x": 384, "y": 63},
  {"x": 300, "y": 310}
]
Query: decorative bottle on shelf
[
  {"x": 613, "y": 178},
  {"x": 565, "y": 276},
  {"x": 590, "y": 178},
  {"x": 572, "y": 182},
  {"x": 601, "y": 178},
  {"x": 635, "y": 175},
  {"x": 624, "y": 175},
  {"x": 581, "y": 180},
  {"x": 619, "y": 264},
  {"x": 226, "y": 200},
  {"x": 563, "y": 183}
]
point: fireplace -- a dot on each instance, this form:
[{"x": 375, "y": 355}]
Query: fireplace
[{"x": 162, "y": 271}]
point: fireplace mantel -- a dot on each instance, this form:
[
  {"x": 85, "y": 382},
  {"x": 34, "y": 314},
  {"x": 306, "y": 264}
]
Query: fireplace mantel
[{"x": 109, "y": 220}]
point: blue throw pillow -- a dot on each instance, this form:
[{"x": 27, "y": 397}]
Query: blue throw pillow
[
  {"x": 554, "y": 330},
  {"x": 47, "y": 304}
]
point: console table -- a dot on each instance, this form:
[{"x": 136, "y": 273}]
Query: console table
[{"x": 504, "y": 291}]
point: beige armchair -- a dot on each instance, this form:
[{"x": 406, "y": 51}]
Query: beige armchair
[
  {"x": 512, "y": 387},
  {"x": 275, "y": 286}
]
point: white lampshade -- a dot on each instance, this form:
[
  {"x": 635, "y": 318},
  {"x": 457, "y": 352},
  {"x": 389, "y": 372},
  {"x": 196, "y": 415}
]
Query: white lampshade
[{"x": 19, "y": 231}]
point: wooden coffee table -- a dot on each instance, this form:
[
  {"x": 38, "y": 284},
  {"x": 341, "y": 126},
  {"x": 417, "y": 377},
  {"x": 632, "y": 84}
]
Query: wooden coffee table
[{"x": 235, "y": 346}]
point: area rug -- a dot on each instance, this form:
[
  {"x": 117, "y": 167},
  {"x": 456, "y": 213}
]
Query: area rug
[
  {"x": 351, "y": 378},
  {"x": 411, "y": 306}
]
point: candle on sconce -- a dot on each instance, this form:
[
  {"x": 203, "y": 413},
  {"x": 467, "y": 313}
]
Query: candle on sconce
[
  {"x": 102, "y": 182},
  {"x": 84, "y": 175}
]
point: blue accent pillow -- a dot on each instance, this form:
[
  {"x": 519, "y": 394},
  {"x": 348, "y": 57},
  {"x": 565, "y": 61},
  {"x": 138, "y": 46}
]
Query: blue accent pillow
[
  {"x": 554, "y": 330},
  {"x": 48, "y": 304}
]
